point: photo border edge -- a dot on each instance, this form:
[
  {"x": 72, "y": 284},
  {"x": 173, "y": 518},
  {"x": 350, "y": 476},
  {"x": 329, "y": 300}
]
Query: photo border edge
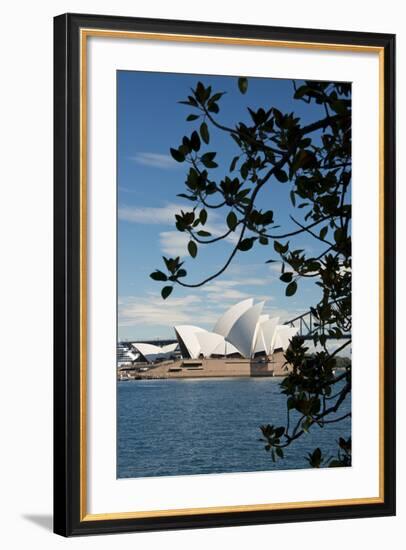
[{"x": 70, "y": 517}]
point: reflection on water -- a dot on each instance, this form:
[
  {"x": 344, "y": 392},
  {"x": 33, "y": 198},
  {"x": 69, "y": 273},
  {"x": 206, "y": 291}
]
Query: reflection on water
[{"x": 192, "y": 426}]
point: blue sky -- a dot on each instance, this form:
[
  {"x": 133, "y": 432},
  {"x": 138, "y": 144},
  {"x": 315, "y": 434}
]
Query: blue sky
[{"x": 150, "y": 121}]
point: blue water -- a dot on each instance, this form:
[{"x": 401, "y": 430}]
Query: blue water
[{"x": 180, "y": 427}]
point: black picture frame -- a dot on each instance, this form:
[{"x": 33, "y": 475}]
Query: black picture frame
[{"x": 68, "y": 519}]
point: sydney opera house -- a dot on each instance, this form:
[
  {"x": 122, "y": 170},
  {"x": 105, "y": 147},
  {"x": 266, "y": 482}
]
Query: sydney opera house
[{"x": 243, "y": 335}]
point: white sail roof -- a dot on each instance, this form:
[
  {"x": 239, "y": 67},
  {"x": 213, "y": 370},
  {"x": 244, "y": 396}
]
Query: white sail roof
[
  {"x": 243, "y": 332},
  {"x": 169, "y": 348},
  {"x": 283, "y": 335},
  {"x": 242, "y": 329},
  {"x": 132, "y": 355},
  {"x": 150, "y": 352},
  {"x": 187, "y": 334},
  {"x": 147, "y": 348},
  {"x": 225, "y": 348},
  {"x": 266, "y": 334},
  {"x": 227, "y": 320},
  {"x": 215, "y": 344},
  {"x": 209, "y": 341}
]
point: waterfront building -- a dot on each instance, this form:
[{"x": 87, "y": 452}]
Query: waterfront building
[
  {"x": 125, "y": 355},
  {"x": 242, "y": 331}
]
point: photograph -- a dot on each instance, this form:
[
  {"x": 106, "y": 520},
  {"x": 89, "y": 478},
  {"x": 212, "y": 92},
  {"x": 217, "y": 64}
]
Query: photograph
[
  {"x": 234, "y": 274},
  {"x": 200, "y": 231},
  {"x": 224, "y": 256}
]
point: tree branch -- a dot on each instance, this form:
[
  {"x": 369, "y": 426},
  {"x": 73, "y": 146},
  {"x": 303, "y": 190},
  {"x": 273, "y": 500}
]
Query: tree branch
[
  {"x": 260, "y": 184},
  {"x": 311, "y": 232},
  {"x": 215, "y": 239}
]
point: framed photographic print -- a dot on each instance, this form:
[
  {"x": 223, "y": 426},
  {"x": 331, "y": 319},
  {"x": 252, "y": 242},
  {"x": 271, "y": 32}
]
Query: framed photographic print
[{"x": 224, "y": 257}]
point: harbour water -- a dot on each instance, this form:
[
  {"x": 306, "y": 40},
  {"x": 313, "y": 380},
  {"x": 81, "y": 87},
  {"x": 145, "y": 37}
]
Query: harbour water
[{"x": 192, "y": 426}]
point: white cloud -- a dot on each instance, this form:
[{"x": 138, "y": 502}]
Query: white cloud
[
  {"x": 283, "y": 314},
  {"x": 174, "y": 243},
  {"x": 226, "y": 290},
  {"x": 166, "y": 215},
  {"x": 156, "y": 160},
  {"x": 275, "y": 267},
  {"x": 152, "y": 310},
  {"x": 221, "y": 284},
  {"x": 151, "y": 214},
  {"x": 218, "y": 228},
  {"x": 229, "y": 294},
  {"x": 240, "y": 271}
]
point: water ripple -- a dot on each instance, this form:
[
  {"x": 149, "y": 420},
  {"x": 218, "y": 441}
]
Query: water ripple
[{"x": 179, "y": 427}]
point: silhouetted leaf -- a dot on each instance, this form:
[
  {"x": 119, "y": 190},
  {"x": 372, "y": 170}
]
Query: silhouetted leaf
[
  {"x": 301, "y": 91},
  {"x": 279, "y": 431},
  {"x": 232, "y": 221},
  {"x": 315, "y": 458},
  {"x": 281, "y": 176},
  {"x": 192, "y": 249},
  {"x": 313, "y": 266},
  {"x": 291, "y": 288},
  {"x": 189, "y": 197},
  {"x": 339, "y": 107},
  {"x": 213, "y": 108},
  {"x": 195, "y": 141},
  {"x": 207, "y": 160},
  {"x": 286, "y": 277},
  {"x": 243, "y": 84},
  {"x": 204, "y": 132},
  {"x": 280, "y": 248},
  {"x": 177, "y": 155},
  {"x": 200, "y": 92},
  {"x": 233, "y": 163},
  {"x": 246, "y": 244},
  {"x": 244, "y": 171},
  {"x": 191, "y": 101},
  {"x": 158, "y": 276},
  {"x": 338, "y": 235},
  {"x": 323, "y": 232},
  {"x": 217, "y": 96},
  {"x": 166, "y": 291}
]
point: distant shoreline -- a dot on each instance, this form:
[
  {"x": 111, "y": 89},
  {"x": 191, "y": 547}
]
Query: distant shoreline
[
  {"x": 273, "y": 366},
  {"x": 202, "y": 378}
]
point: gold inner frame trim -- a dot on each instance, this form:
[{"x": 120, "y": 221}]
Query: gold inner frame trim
[{"x": 173, "y": 37}]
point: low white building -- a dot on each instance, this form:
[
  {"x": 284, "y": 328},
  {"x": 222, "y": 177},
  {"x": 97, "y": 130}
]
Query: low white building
[{"x": 151, "y": 353}]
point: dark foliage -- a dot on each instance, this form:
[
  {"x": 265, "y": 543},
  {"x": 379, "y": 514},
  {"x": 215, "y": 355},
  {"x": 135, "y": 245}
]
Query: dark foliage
[{"x": 314, "y": 162}]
